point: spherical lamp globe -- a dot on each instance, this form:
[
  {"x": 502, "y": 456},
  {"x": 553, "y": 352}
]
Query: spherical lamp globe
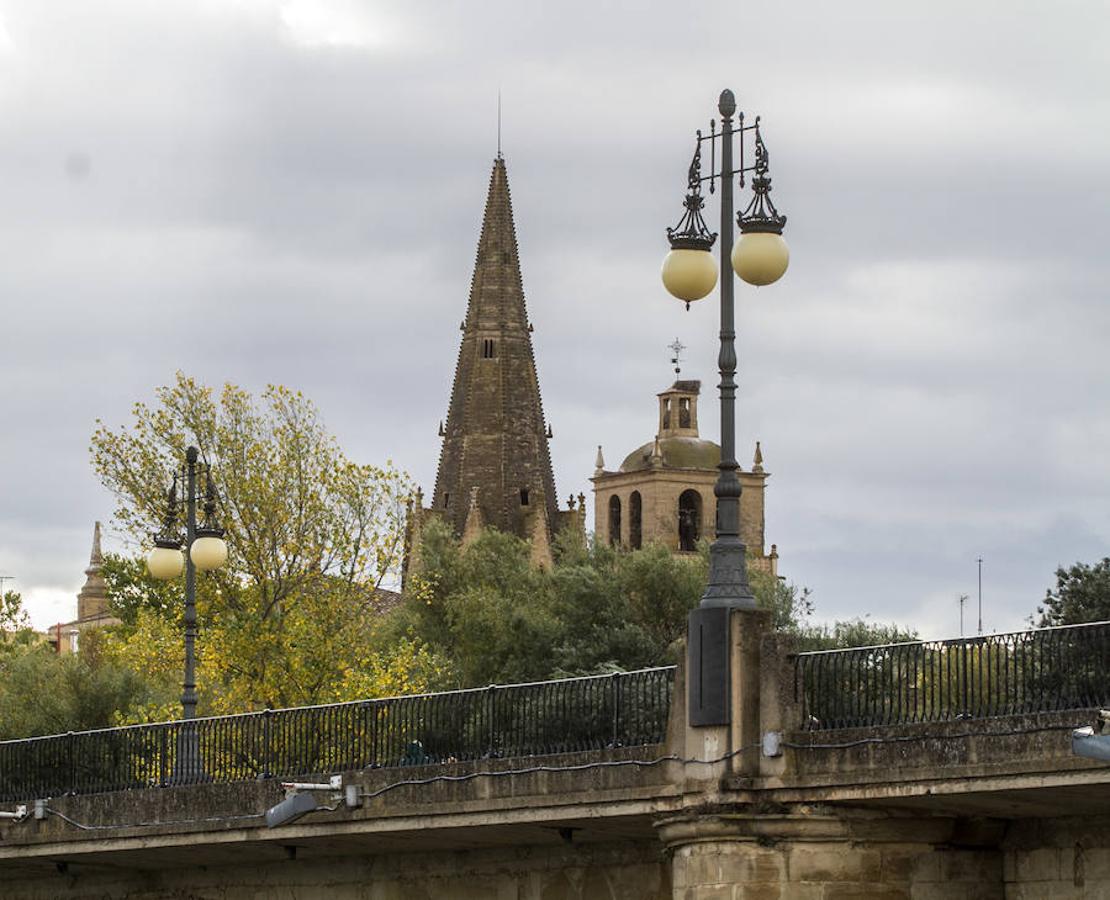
[
  {"x": 208, "y": 552},
  {"x": 165, "y": 563},
  {"x": 689, "y": 274},
  {"x": 760, "y": 257}
]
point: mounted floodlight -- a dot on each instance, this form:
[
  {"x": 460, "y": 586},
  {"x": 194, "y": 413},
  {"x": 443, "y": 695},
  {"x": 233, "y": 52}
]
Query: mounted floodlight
[
  {"x": 299, "y": 802},
  {"x": 290, "y": 809},
  {"x": 18, "y": 816},
  {"x": 1093, "y": 742}
]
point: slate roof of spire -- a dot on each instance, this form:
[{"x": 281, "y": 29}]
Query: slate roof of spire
[{"x": 495, "y": 437}]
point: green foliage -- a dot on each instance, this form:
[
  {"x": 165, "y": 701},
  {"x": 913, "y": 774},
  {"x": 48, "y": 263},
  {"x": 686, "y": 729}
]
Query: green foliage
[
  {"x": 493, "y": 617},
  {"x": 1082, "y": 594},
  {"x": 857, "y": 632},
  {"x": 15, "y": 626},
  {"x": 131, "y": 589},
  {"x": 42, "y": 692}
]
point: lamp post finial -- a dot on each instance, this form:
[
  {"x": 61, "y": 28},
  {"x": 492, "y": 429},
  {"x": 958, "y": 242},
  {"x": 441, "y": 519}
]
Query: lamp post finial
[{"x": 727, "y": 103}]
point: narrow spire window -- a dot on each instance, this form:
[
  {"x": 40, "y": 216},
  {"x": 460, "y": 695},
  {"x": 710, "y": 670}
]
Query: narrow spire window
[{"x": 489, "y": 349}]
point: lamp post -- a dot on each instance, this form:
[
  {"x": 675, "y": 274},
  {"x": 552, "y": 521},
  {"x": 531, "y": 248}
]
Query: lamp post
[
  {"x": 205, "y": 549},
  {"x": 759, "y": 257}
]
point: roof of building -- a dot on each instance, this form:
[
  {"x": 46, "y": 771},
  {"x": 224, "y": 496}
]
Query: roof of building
[
  {"x": 684, "y": 387},
  {"x": 678, "y": 453}
]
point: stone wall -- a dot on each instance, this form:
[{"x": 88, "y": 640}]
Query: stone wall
[
  {"x": 836, "y": 870},
  {"x": 1058, "y": 858},
  {"x": 594, "y": 872}
]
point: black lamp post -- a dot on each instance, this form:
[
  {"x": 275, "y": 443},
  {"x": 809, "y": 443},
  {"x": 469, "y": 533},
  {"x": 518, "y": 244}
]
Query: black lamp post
[
  {"x": 205, "y": 549},
  {"x": 760, "y": 257}
]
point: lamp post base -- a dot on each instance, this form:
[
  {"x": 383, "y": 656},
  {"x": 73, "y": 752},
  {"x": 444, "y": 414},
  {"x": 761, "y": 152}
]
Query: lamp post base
[
  {"x": 728, "y": 576},
  {"x": 188, "y": 765}
]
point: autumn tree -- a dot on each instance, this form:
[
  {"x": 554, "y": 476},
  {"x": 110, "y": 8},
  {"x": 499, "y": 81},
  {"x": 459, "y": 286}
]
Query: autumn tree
[{"x": 313, "y": 537}]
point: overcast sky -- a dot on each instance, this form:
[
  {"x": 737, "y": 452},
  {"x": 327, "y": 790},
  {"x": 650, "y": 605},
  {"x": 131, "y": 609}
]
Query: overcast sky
[{"x": 290, "y": 191}]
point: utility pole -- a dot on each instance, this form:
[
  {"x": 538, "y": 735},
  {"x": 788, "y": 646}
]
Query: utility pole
[
  {"x": 962, "y": 601},
  {"x": 980, "y": 595}
]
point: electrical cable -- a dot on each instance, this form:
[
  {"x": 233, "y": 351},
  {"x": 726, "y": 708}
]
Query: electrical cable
[
  {"x": 389, "y": 787},
  {"x": 907, "y": 738},
  {"x": 602, "y": 764},
  {"x": 84, "y": 827}
]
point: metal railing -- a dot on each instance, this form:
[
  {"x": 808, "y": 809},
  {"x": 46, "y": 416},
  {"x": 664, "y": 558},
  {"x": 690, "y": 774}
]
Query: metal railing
[
  {"x": 568, "y": 715},
  {"x": 1043, "y": 670}
]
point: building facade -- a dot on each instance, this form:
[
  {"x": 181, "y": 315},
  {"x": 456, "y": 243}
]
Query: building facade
[{"x": 663, "y": 491}]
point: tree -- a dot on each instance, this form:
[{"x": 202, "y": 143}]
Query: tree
[
  {"x": 85, "y": 691},
  {"x": 857, "y": 632},
  {"x": 1082, "y": 594},
  {"x": 15, "y": 625},
  {"x": 491, "y": 616},
  {"x": 312, "y": 538}
]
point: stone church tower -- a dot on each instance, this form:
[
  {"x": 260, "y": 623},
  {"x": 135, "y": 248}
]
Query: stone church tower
[
  {"x": 92, "y": 604},
  {"x": 663, "y": 491},
  {"x": 495, "y": 465}
]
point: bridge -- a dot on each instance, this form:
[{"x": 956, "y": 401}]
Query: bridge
[{"x": 924, "y": 770}]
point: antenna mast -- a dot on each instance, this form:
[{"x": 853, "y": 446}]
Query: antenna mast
[{"x": 980, "y": 595}]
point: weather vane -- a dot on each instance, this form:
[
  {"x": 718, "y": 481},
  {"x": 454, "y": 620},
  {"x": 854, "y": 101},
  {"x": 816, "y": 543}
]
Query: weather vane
[{"x": 676, "y": 359}]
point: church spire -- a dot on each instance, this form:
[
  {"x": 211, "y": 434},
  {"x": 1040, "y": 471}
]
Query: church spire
[
  {"x": 495, "y": 439},
  {"x": 93, "y": 597}
]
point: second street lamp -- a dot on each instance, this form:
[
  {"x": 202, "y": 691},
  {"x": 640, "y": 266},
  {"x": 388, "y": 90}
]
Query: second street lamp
[
  {"x": 759, "y": 257},
  {"x": 205, "y": 549}
]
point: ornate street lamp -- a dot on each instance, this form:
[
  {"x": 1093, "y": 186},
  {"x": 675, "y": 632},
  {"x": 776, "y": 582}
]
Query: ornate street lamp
[
  {"x": 759, "y": 257},
  {"x": 205, "y": 549}
]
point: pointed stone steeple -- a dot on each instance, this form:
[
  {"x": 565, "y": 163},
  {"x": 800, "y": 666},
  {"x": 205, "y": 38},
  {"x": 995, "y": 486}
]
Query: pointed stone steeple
[
  {"x": 495, "y": 439},
  {"x": 93, "y": 597}
]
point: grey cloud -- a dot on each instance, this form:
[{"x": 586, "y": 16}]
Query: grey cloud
[{"x": 928, "y": 381}]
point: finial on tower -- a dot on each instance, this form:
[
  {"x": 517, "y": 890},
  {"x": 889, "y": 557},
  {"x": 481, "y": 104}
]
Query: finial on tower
[
  {"x": 599, "y": 462},
  {"x": 676, "y": 355},
  {"x": 757, "y": 463}
]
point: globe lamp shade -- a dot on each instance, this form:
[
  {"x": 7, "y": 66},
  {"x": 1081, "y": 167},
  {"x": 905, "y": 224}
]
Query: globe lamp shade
[
  {"x": 689, "y": 274},
  {"x": 208, "y": 552},
  {"x": 760, "y": 257},
  {"x": 165, "y": 563}
]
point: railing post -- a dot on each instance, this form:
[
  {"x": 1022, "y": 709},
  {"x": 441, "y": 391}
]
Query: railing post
[
  {"x": 616, "y": 709},
  {"x": 267, "y": 729},
  {"x": 71, "y": 762},
  {"x": 163, "y": 753},
  {"x": 490, "y": 706}
]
